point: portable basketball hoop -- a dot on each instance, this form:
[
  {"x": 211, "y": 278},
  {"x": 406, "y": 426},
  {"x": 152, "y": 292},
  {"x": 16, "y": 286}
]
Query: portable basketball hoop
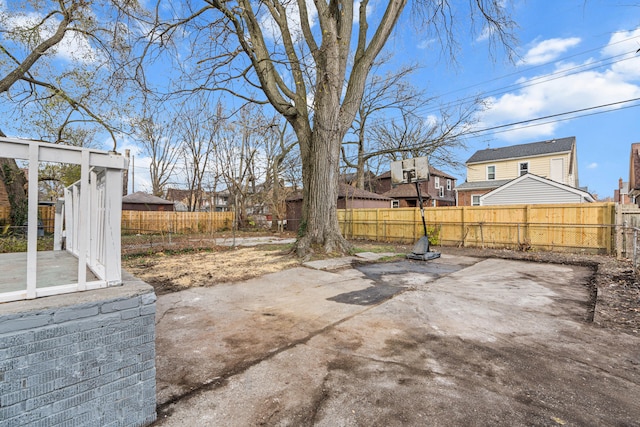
[{"x": 409, "y": 171}]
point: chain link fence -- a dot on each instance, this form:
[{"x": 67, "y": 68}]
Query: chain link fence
[{"x": 628, "y": 244}]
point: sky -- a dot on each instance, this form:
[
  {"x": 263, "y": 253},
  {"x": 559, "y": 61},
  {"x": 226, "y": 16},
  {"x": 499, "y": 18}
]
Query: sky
[
  {"x": 576, "y": 60},
  {"x": 571, "y": 55}
]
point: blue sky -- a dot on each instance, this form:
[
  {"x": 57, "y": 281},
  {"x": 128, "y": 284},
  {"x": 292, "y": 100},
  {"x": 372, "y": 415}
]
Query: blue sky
[{"x": 573, "y": 54}]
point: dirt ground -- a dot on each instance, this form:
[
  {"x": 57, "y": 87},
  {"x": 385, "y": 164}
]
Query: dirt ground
[
  {"x": 618, "y": 287},
  {"x": 174, "y": 272}
]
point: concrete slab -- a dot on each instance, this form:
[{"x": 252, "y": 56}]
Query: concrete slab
[
  {"x": 375, "y": 256},
  {"x": 54, "y": 268},
  {"x": 330, "y": 264},
  {"x": 476, "y": 342}
]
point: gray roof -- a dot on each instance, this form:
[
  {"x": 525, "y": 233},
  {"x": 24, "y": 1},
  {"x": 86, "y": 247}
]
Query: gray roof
[
  {"x": 144, "y": 198},
  {"x": 551, "y": 146},
  {"x": 346, "y": 191},
  {"x": 482, "y": 185}
]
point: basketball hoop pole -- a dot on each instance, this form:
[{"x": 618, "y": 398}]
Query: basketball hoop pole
[{"x": 424, "y": 224}]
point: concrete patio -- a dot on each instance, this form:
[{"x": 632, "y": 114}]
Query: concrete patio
[{"x": 455, "y": 341}]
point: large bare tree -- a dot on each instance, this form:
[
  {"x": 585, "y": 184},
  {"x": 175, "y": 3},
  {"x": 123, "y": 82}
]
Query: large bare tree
[
  {"x": 155, "y": 134},
  {"x": 299, "y": 54},
  {"x": 385, "y": 95},
  {"x": 55, "y": 59},
  {"x": 198, "y": 132}
]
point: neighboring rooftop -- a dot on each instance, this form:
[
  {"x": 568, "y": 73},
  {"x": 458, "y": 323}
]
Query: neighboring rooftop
[
  {"x": 482, "y": 185},
  {"x": 559, "y": 145},
  {"x": 432, "y": 171},
  {"x": 144, "y": 198},
  {"x": 346, "y": 191}
]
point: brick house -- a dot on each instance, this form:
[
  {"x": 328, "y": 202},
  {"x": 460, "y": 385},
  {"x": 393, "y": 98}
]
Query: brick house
[
  {"x": 348, "y": 198},
  {"x": 438, "y": 191},
  {"x": 634, "y": 173}
]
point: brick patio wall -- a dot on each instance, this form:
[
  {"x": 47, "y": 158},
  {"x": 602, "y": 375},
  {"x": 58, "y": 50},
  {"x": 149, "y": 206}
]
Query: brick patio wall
[{"x": 86, "y": 358}]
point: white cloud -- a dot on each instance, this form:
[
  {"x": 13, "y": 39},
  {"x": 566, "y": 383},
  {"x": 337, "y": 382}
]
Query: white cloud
[
  {"x": 431, "y": 120},
  {"x": 568, "y": 93},
  {"x": 486, "y": 33},
  {"x": 593, "y": 165},
  {"x": 271, "y": 30},
  {"x": 548, "y": 50},
  {"x": 625, "y": 43},
  {"x": 356, "y": 11},
  {"x": 73, "y": 47},
  {"x": 424, "y": 44},
  {"x": 138, "y": 164}
]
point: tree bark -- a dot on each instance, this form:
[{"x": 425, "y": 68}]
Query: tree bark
[{"x": 15, "y": 185}]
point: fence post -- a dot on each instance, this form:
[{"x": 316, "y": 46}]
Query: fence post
[
  {"x": 635, "y": 248},
  {"x": 526, "y": 235},
  {"x": 462, "y": 224}
]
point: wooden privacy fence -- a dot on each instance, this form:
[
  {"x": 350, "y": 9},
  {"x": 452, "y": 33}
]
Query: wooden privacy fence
[
  {"x": 46, "y": 214},
  {"x": 175, "y": 222},
  {"x": 148, "y": 221},
  {"x": 586, "y": 227}
]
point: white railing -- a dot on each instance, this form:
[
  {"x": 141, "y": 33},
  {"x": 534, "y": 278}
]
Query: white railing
[{"x": 87, "y": 221}]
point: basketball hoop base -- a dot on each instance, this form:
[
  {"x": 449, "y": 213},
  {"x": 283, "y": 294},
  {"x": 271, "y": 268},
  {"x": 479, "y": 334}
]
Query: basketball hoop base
[{"x": 421, "y": 251}]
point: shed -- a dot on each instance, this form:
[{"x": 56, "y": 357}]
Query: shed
[
  {"x": 141, "y": 201},
  {"x": 534, "y": 189},
  {"x": 348, "y": 198}
]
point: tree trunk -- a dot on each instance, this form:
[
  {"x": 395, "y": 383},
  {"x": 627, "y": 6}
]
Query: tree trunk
[
  {"x": 361, "y": 160},
  {"x": 320, "y": 162},
  {"x": 15, "y": 184}
]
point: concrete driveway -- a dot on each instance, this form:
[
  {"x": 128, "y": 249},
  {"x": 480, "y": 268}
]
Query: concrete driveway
[{"x": 454, "y": 341}]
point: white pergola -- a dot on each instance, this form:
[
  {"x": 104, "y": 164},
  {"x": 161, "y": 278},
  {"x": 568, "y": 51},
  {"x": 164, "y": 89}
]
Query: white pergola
[{"x": 87, "y": 221}]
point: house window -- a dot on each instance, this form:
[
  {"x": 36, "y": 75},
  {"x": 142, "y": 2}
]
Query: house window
[
  {"x": 395, "y": 203},
  {"x": 491, "y": 172},
  {"x": 448, "y": 185},
  {"x": 475, "y": 200},
  {"x": 441, "y": 192},
  {"x": 436, "y": 182},
  {"x": 524, "y": 168}
]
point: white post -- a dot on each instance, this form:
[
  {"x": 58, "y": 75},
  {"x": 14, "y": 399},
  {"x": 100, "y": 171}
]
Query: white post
[
  {"x": 69, "y": 230},
  {"x": 32, "y": 227},
  {"x": 83, "y": 223},
  {"x": 112, "y": 223},
  {"x": 57, "y": 229},
  {"x": 93, "y": 214}
]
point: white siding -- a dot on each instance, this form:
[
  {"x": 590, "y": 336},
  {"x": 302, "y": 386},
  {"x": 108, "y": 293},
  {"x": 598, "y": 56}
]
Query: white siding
[{"x": 530, "y": 191}]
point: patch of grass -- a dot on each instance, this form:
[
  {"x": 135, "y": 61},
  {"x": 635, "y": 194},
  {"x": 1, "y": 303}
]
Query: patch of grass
[
  {"x": 282, "y": 247},
  {"x": 11, "y": 244},
  {"x": 373, "y": 248},
  {"x": 392, "y": 258}
]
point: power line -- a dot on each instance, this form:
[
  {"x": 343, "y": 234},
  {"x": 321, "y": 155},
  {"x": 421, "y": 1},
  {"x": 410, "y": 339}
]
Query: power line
[
  {"x": 557, "y": 115},
  {"x": 515, "y": 73},
  {"x": 539, "y": 80},
  {"x": 552, "y": 121},
  {"x": 534, "y": 81}
]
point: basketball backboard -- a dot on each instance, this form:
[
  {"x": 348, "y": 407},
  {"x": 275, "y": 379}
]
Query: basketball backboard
[{"x": 410, "y": 170}]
